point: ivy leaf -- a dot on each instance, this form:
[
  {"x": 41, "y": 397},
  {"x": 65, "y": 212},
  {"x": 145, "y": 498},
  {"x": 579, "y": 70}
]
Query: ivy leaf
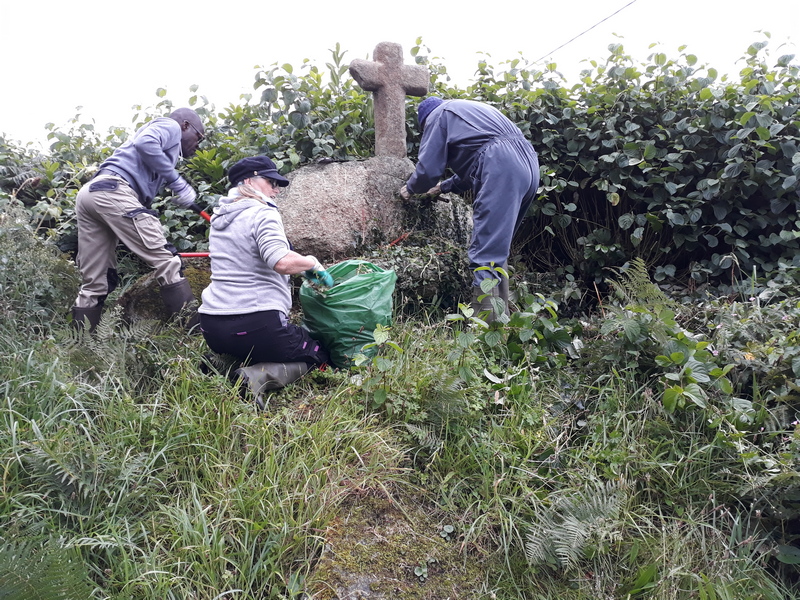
[
  {"x": 663, "y": 361},
  {"x": 733, "y": 170},
  {"x": 746, "y": 117},
  {"x": 724, "y": 384},
  {"x": 632, "y": 330},
  {"x": 694, "y": 393},
  {"x": 379, "y": 397},
  {"x": 788, "y": 555},
  {"x": 626, "y": 221}
]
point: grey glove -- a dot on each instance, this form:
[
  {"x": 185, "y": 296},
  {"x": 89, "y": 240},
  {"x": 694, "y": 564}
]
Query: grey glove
[{"x": 185, "y": 192}]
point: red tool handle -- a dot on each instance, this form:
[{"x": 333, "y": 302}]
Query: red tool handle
[{"x": 204, "y": 214}]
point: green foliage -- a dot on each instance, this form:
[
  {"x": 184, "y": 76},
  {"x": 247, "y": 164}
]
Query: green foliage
[
  {"x": 645, "y": 331},
  {"x": 36, "y": 280},
  {"x": 430, "y": 270},
  {"x": 519, "y": 433},
  {"x": 573, "y": 527},
  {"x": 662, "y": 160},
  {"x": 376, "y": 383},
  {"x": 298, "y": 118}
]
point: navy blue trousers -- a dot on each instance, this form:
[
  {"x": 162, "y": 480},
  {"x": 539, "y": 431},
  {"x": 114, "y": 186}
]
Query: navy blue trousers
[
  {"x": 264, "y": 336},
  {"x": 505, "y": 184}
]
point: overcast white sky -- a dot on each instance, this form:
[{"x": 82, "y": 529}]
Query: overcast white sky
[{"x": 107, "y": 56}]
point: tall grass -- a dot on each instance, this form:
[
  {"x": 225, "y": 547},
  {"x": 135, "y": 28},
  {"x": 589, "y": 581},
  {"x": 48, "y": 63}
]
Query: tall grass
[{"x": 136, "y": 475}]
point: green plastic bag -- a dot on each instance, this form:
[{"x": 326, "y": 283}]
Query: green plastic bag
[{"x": 343, "y": 317}]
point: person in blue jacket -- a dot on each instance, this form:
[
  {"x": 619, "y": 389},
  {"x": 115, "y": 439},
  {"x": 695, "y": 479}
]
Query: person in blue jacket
[
  {"x": 490, "y": 157},
  {"x": 114, "y": 207}
]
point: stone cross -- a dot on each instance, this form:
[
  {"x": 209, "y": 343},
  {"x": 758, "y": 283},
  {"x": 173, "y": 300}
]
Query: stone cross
[{"x": 390, "y": 81}]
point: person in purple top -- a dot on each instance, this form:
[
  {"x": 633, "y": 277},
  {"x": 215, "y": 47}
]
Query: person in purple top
[
  {"x": 489, "y": 157},
  {"x": 115, "y": 207}
]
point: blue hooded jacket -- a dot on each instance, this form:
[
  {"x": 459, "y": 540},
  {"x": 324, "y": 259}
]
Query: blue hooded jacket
[{"x": 148, "y": 159}]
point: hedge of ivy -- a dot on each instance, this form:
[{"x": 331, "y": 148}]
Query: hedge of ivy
[{"x": 663, "y": 160}]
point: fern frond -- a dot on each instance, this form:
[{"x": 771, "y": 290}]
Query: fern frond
[
  {"x": 54, "y": 473},
  {"x": 425, "y": 437},
  {"x": 634, "y": 287},
  {"x": 41, "y": 570},
  {"x": 445, "y": 401},
  {"x": 565, "y": 528}
]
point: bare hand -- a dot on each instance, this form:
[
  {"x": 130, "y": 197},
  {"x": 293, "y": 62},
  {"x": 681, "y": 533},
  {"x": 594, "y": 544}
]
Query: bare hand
[{"x": 434, "y": 191}]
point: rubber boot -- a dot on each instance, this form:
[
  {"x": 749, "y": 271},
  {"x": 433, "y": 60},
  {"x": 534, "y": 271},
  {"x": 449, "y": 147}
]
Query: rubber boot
[
  {"x": 484, "y": 306},
  {"x": 177, "y": 297},
  {"x": 81, "y": 315},
  {"x": 264, "y": 376}
]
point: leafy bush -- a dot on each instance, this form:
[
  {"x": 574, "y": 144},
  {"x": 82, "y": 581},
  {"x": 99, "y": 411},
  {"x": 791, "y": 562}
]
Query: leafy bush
[
  {"x": 37, "y": 282},
  {"x": 660, "y": 160}
]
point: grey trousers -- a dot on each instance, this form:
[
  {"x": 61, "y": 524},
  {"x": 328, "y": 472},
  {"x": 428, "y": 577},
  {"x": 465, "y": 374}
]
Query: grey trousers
[{"x": 109, "y": 212}]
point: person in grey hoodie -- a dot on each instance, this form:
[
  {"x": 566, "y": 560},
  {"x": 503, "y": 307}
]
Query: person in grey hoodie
[
  {"x": 244, "y": 310},
  {"x": 115, "y": 207}
]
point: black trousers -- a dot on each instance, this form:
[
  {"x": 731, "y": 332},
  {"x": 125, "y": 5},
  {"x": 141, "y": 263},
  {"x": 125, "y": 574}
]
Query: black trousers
[{"x": 264, "y": 336}]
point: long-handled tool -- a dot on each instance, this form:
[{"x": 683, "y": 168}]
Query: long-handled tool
[{"x": 206, "y": 216}]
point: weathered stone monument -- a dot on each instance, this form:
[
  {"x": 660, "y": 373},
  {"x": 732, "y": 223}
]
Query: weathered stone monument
[
  {"x": 390, "y": 81},
  {"x": 331, "y": 210}
]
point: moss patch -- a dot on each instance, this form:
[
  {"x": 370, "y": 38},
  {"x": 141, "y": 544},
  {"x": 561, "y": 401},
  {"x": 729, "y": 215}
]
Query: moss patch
[
  {"x": 375, "y": 550},
  {"x": 143, "y": 299}
]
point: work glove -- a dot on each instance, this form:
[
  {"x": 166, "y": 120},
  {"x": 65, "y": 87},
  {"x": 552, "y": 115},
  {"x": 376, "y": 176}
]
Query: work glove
[
  {"x": 185, "y": 192},
  {"x": 434, "y": 194},
  {"x": 318, "y": 274},
  {"x": 405, "y": 194}
]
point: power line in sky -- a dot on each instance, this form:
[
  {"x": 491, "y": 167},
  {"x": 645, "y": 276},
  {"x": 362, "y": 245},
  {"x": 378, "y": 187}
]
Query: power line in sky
[{"x": 584, "y": 32}]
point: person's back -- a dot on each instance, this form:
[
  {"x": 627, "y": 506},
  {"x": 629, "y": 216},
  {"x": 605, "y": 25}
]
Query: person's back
[
  {"x": 246, "y": 240},
  {"x": 149, "y": 157},
  {"x": 455, "y": 133}
]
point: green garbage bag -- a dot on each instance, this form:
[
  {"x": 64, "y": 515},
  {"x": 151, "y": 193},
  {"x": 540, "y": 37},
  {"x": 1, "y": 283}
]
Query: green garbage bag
[{"x": 343, "y": 317}]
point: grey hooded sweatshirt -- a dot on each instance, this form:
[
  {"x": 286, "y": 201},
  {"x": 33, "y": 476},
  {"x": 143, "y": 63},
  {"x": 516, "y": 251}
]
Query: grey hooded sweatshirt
[{"x": 246, "y": 241}]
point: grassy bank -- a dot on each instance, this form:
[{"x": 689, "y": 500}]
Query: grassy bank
[{"x": 611, "y": 455}]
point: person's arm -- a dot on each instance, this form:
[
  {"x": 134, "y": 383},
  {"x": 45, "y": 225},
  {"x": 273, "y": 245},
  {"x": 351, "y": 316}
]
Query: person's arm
[
  {"x": 455, "y": 185},
  {"x": 152, "y": 143},
  {"x": 273, "y": 247},
  {"x": 294, "y": 263},
  {"x": 432, "y": 158}
]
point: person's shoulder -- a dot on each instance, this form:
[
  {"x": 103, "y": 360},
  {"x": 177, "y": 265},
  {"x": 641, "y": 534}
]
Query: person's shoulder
[{"x": 163, "y": 124}]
